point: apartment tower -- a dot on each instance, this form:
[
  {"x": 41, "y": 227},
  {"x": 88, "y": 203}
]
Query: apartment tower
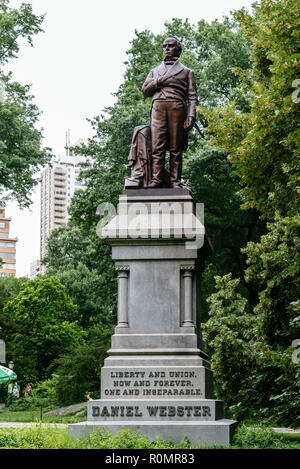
[
  {"x": 58, "y": 184},
  {"x": 7, "y": 246}
]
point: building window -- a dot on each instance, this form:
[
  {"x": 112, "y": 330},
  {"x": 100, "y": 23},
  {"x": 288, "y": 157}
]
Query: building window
[
  {"x": 8, "y": 266},
  {"x": 7, "y": 255},
  {"x": 2, "y": 225},
  {"x": 7, "y": 245}
]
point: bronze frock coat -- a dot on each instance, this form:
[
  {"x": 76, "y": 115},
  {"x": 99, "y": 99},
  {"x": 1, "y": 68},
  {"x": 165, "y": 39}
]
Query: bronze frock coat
[{"x": 174, "y": 98}]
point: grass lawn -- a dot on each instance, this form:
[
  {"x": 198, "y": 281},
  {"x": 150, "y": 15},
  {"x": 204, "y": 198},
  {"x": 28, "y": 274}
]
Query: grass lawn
[
  {"x": 34, "y": 415},
  {"x": 43, "y": 437}
]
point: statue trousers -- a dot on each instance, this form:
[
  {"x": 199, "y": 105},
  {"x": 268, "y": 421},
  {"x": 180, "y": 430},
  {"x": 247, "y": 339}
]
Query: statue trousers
[{"x": 167, "y": 119}]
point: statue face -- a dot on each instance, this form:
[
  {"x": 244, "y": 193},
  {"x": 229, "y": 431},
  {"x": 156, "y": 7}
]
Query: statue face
[{"x": 170, "y": 48}]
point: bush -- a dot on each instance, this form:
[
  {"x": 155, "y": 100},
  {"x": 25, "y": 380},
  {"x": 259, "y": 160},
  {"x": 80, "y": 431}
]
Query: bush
[
  {"x": 25, "y": 403},
  {"x": 9, "y": 439},
  {"x": 258, "y": 381},
  {"x": 55, "y": 438},
  {"x": 78, "y": 371},
  {"x": 47, "y": 389},
  {"x": 46, "y": 437},
  {"x": 258, "y": 438}
]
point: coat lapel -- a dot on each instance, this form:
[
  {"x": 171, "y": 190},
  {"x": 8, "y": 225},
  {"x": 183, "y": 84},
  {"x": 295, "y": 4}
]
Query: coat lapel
[{"x": 162, "y": 70}]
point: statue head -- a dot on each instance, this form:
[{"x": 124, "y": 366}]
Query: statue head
[{"x": 171, "y": 47}]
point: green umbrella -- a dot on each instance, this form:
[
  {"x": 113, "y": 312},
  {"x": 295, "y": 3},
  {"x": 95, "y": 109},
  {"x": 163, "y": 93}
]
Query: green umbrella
[{"x": 6, "y": 374}]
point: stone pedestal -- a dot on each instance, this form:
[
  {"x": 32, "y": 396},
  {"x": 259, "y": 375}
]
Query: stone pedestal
[{"x": 157, "y": 378}]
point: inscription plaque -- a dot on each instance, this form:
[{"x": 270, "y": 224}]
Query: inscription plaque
[
  {"x": 150, "y": 383},
  {"x": 188, "y": 409}
]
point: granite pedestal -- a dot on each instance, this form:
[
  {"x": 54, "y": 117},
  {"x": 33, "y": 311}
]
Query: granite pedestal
[{"x": 156, "y": 378}]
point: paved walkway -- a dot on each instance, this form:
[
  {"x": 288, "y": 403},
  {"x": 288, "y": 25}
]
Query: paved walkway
[
  {"x": 30, "y": 424},
  {"x": 286, "y": 430}
]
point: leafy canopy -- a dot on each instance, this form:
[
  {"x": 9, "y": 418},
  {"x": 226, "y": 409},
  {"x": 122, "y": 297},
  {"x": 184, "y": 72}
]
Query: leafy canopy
[
  {"x": 44, "y": 326},
  {"x": 21, "y": 154}
]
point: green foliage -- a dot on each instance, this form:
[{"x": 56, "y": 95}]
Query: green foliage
[
  {"x": 47, "y": 437},
  {"x": 54, "y": 438},
  {"x": 258, "y": 438},
  {"x": 78, "y": 371},
  {"x": 10, "y": 287},
  {"x": 9, "y": 439},
  {"x": 265, "y": 147},
  {"x": 210, "y": 174},
  {"x": 16, "y": 24},
  {"x": 129, "y": 439},
  {"x": 255, "y": 379},
  {"x": 46, "y": 389},
  {"x": 82, "y": 262},
  {"x": 274, "y": 264},
  {"x": 21, "y": 155},
  {"x": 24, "y": 403},
  {"x": 44, "y": 322},
  {"x": 263, "y": 142},
  {"x": 230, "y": 337}
]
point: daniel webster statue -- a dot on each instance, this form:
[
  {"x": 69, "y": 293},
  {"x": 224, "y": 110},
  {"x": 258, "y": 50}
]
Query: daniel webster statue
[{"x": 174, "y": 100}]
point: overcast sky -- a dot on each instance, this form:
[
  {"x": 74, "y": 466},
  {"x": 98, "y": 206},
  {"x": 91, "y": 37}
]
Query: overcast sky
[{"x": 67, "y": 68}]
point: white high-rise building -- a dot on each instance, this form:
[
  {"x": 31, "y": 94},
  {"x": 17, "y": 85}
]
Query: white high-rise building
[
  {"x": 58, "y": 184},
  {"x": 35, "y": 269}
]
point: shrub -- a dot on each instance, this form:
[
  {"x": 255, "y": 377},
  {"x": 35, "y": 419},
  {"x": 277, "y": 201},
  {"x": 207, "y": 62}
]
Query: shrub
[
  {"x": 78, "y": 371},
  {"x": 9, "y": 439},
  {"x": 257, "y": 438},
  {"x": 47, "y": 389},
  {"x": 24, "y": 403}
]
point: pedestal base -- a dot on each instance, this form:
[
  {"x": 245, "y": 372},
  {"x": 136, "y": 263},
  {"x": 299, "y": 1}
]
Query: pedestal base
[
  {"x": 205, "y": 433},
  {"x": 157, "y": 379}
]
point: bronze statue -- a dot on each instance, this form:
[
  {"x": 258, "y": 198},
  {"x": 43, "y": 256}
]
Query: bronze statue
[{"x": 174, "y": 100}]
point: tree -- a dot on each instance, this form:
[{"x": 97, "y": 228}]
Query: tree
[
  {"x": 10, "y": 287},
  {"x": 16, "y": 24},
  {"x": 264, "y": 148},
  {"x": 210, "y": 174},
  {"x": 21, "y": 154},
  {"x": 255, "y": 379},
  {"x": 44, "y": 326},
  {"x": 264, "y": 143},
  {"x": 78, "y": 371},
  {"x": 82, "y": 262},
  {"x": 274, "y": 265}
]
